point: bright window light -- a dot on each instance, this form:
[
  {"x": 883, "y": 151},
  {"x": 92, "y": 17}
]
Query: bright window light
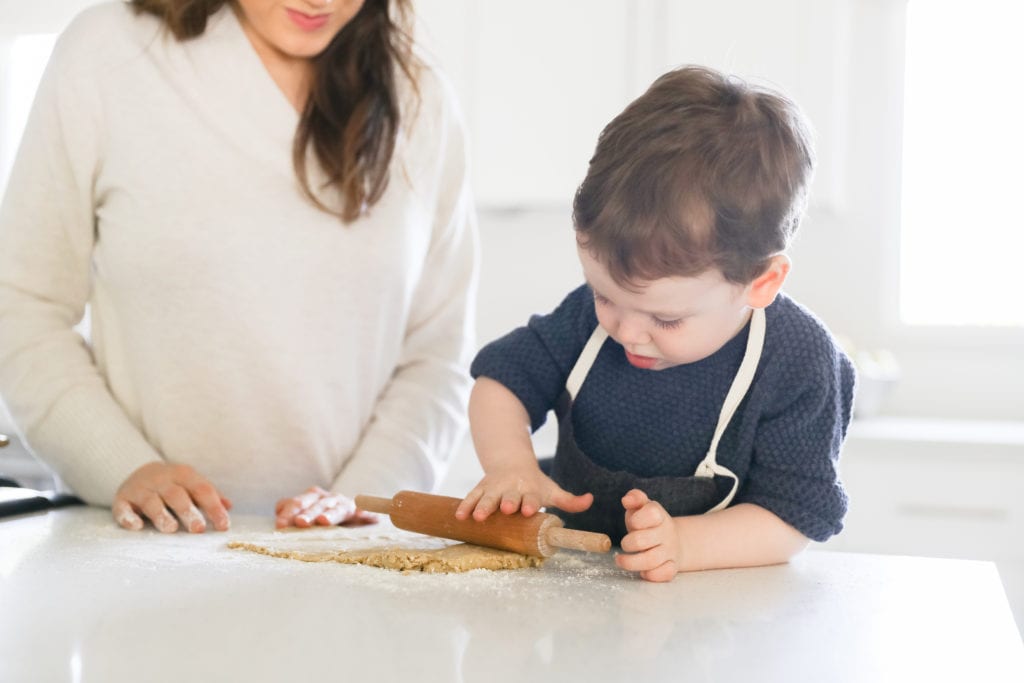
[
  {"x": 27, "y": 60},
  {"x": 962, "y": 237}
]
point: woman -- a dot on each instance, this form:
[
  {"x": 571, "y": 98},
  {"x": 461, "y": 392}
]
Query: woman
[{"x": 264, "y": 206}]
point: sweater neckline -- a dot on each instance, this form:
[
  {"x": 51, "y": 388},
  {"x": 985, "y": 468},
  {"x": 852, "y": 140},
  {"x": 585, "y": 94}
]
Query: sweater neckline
[{"x": 240, "y": 74}]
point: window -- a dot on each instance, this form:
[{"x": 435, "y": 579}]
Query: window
[{"x": 962, "y": 236}]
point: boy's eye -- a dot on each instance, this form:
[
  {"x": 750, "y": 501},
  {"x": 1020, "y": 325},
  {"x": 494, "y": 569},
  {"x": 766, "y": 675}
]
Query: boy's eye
[
  {"x": 600, "y": 299},
  {"x": 668, "y": 324}
]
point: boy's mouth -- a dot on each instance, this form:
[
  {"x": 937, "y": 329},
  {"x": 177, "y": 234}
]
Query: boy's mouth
[{"x": 642, "y": 362}]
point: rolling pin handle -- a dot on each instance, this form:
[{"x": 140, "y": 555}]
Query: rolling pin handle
[
  {"x": 374, "y": 504},
  {"x": 572, "y": 539}
]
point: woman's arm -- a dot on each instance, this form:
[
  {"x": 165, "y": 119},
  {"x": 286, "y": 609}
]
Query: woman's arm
[{"x": 48, "y": 379}]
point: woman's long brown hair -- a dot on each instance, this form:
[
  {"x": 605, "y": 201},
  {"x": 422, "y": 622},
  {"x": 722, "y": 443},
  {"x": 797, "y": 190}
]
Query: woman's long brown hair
[{"x": 352, "y": 116}]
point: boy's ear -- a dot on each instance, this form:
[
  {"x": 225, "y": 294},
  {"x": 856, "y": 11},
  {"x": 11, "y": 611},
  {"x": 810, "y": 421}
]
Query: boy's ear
[{"x": 761, "y": 292}]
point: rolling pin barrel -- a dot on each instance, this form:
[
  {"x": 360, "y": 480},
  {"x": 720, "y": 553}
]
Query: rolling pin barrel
[{"x": 538, "y": 535}]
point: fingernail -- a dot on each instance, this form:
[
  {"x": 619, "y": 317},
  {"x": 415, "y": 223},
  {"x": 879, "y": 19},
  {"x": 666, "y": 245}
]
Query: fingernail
[{"x": 129, "y": 521}]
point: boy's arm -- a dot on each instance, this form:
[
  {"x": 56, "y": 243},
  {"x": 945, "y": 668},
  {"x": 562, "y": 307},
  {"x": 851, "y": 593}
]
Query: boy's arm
[
  {"x": 512, "y": 481},
  {"x": 744, "y": 535}
]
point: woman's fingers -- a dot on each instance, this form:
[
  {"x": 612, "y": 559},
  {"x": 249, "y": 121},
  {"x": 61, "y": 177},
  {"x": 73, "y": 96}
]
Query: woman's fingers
[
  {"x": 361, "y": 518},
  {"x": 308, "y": 517},
  {"x": 210, "y": 503},
  {"x": 289, "y": 510},
  {"x": 178, "y": 500},
  {"x": 164, "y": 494},
  {"x": 337, "y": 509},
  {"x": 152, "y": 506},
  {"x": 125, "y": 516},
  {"x": 318, "y": 507}
]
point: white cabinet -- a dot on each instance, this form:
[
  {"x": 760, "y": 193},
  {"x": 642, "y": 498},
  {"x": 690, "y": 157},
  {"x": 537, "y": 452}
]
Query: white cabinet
[
  {"x": 539, "y": 79},
  {"x": 937, "y": 488},
  {"x": 801, "y": 47}
]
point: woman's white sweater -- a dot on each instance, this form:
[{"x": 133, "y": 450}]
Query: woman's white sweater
[{"x": 234, "y": 326}]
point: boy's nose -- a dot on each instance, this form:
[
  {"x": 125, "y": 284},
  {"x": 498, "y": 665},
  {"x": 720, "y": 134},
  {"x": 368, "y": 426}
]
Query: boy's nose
[{"x": 632, "y": 330}]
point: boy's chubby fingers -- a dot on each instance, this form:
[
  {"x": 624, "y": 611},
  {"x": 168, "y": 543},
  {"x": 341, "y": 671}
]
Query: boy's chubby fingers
[
  {"x": 645, "y": 561},
  {"x": 511, "y": 502},
  {"x": 563, "y": 500},
  {"x": 641, "y": 540},
  {"x": 649, "y": 516},
  {"x": 635, "y": 499},
  {"x": 660, "y": 574},
  {"x": 487, "y": 505},
  {"x": 468, "y": 504},
  {"x": 531, "y": 504}
]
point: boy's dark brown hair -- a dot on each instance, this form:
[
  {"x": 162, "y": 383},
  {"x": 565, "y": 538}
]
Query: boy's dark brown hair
[
  {"x": 701, "y": 171},
  {"x": 351, "y": 120}
]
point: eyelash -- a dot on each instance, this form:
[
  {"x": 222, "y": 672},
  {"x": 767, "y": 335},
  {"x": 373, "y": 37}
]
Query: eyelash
[
  {"x": 668, "y": 324},
  {"x": 663, "y": 324}
]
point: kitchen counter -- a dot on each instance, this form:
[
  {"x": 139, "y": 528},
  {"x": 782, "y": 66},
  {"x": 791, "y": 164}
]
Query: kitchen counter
[{"x": 81, "y": 600}]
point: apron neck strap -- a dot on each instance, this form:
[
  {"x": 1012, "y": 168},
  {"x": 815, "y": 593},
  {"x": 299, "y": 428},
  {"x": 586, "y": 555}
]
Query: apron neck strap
[
  {"x": 586, "y": 359},
  {"x": 740, "y": 384}
]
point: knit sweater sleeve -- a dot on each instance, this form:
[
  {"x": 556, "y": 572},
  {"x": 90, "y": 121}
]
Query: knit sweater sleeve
[
  {"x": 534, "y": 361},
  {"x": 52, "y": 388},
  {"x": 419, "y": 419},
  {"x": 794, "y": 472}
]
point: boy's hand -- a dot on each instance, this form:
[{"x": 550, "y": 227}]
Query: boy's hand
[
  {"x": 652, "y": 539},
  {"x": 526, "y": 490}
]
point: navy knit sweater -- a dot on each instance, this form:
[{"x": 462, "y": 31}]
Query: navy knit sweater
[{"x": 783, "y": 442}]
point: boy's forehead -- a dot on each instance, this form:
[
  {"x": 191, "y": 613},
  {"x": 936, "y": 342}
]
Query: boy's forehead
[{"x": 665, "y": 294}]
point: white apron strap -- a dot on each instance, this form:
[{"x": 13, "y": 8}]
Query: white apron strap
[
  {"x": 740, "y": 384},
  {"x": 586, "y": 359}
]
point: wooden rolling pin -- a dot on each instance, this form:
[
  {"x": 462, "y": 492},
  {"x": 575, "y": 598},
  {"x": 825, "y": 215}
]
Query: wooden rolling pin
[{"x": 538, "y": 535}]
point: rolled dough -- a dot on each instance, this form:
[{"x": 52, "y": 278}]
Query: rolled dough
[{"x": 462, "y": 557}]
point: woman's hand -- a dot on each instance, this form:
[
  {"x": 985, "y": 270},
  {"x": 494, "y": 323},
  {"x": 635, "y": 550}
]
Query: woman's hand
[
  {"x": 651, "y": 538},
  {"x": 166, "y": 494},
  {"x": 526, "y": 490},
  {"x": 317, "y": 506}
]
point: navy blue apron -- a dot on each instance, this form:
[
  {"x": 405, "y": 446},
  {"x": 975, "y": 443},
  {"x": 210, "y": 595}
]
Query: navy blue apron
[{"x": 702, "y": 492}]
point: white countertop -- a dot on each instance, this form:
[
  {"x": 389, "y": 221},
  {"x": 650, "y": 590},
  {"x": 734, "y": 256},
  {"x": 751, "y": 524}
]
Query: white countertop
[{"x": 81, "y": 600}]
